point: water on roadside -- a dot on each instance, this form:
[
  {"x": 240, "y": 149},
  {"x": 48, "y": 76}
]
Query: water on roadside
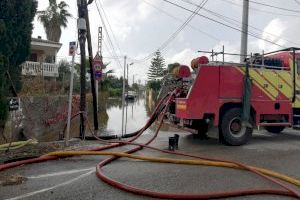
[{"x": 110, "y": 118}]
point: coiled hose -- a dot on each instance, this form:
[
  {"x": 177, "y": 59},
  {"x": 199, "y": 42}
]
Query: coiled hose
[{"x": 204, "y": 161}]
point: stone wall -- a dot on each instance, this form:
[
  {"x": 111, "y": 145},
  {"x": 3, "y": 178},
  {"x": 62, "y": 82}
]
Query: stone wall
[{"x": 41, "y": 117}]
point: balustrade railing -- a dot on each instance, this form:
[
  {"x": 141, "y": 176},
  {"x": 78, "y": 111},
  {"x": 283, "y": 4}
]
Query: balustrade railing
[{"x": 30, "y": 68}]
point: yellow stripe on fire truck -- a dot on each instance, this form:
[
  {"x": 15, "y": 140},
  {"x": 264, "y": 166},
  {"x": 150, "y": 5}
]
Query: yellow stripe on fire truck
[{"x": 258, "y": 81}]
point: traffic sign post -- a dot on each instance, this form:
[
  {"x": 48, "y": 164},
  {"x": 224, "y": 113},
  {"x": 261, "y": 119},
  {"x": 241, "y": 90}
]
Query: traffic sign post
[
  {"x": 72, "y": 52},
  {"x": 98, "y": 66},
  {"x": 72, "y": 48},
  {"x": 98, "y": 75},
  {"x": 97, "y": 62}
]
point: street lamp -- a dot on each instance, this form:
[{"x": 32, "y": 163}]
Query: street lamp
[
  {"x": 128, "y": 72},
  {"x": 133, "y": 78},
  {"x": 123, "y": 93}
]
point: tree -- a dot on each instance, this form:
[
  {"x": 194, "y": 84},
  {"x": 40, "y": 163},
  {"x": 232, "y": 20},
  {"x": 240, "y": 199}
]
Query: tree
[
  {"x": 113, "y": 85},
  {"x": 135, "y": 87},
  {"x": 15, "y": 36},
  {"x": 64, "y": 74},
  {"x": 156, "y": 69},
  {"x": 54, "y": 18},
  {"x": 63, "y": 69}
]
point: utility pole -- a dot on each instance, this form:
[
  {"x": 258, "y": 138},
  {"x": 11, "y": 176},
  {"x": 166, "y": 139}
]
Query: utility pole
[
  {"x": 123, "y": 95},
  {"x": 82, "y": 37},
  {"x": 244, "y": 37},
  {"x": 127, "y": 78},
  {"x": 100, "y": 37},
  {"x": 92, "y": 71},
  {"x": 132, "y": 79}
]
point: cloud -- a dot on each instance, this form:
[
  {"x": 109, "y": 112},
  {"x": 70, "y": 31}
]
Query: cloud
[
  {"x": 229, "y": 47},
  {"x": 273, "y": 32},
  {"x": 140, "y": 29},
  {"x": 183, "y": 57}
]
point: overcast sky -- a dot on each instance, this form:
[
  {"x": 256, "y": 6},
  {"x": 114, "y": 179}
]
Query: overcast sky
[{"x": 140, "y": 28}]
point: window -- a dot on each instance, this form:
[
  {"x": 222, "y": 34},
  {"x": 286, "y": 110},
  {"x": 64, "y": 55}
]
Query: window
[
  {"x": 298, "y": 67},
  {"x": 33, "y": 57}
]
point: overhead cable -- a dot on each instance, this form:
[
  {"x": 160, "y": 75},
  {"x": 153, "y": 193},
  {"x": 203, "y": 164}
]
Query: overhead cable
[
  {"x": 276, "y": 7},
  {"x": 260, "y": 10},
  {"x": 221, "y": 23},
  {"x": 180, "y": 20},
  {"x": 175, "y": 34},
  {"x": 110, "y": 27},
  {"x": 108, "y": 36},
  {"x": 239, "y": 23}
]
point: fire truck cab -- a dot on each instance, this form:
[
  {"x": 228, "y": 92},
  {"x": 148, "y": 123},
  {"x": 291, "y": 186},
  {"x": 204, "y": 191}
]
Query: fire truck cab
[{"x": 216, "y": 96}]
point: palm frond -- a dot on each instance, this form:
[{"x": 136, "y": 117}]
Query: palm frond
[
  {"x": 53, "y": 18},
  {"x": 110, "y": 71}
]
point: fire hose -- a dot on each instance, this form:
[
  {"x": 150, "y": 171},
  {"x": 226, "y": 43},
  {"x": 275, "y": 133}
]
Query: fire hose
[
  {"x": 267, "y": 174},
  {"x": 17, "y": 145}
]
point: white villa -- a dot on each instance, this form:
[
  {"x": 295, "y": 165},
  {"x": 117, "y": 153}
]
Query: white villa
[{"x": 42, "y": 60}]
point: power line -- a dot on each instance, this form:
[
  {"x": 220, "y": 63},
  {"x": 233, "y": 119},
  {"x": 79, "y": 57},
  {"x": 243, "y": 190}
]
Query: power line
[
  {"x": 109, "y": 26},
  {"x": 271, "y": 6},
  {"x": 226, "y": 25},
  {"x": 238, "y": 23},
  {"x": 108, "y": 36},
  {"x": 183, "y": 25},
  {"x": 262, "y": 11},
  {"x": 180, "y": 20},
  {"x": 175, "y": 34}
]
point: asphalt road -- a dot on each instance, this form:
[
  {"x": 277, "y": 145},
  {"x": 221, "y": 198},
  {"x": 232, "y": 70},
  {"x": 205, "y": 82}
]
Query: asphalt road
[{"x": 74, "y": 178}]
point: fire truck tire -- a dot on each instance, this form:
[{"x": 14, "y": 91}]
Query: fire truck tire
[
  {"x": 275, "y": 129},
  {"x": 232, "y": 131}
]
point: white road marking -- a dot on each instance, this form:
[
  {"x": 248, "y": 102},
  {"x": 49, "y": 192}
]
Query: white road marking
[
  {"x": 53, "y": 187},
  {"x": 60, "y": 173}
]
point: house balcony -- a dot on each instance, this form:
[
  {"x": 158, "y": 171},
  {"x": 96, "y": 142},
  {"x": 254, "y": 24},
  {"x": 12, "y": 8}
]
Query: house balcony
[{"x": 30, "y": 68}]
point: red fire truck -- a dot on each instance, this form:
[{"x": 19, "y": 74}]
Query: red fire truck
[{"x": 216, "y": 97}]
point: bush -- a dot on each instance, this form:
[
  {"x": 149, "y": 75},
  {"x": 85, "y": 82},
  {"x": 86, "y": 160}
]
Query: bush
[
  {"x": 154, "y": 85},
  {"x": 115, "y": 92}
]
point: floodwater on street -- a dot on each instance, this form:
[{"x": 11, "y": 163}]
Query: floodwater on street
[{"x": 136, "y": 114}]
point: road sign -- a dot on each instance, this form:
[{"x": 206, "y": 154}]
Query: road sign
[
  {"x": 97, "y": 62},
  {"x": 13, "y": 104},
  {"x": 72, "y": 48},
  {"x": 98, "y": 75}
]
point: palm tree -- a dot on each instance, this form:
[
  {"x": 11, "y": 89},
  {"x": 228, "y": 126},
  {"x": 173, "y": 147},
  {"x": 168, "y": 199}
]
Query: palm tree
[{"x": 53, "y": 18}]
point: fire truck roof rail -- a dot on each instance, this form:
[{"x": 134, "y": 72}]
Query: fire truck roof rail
[
  {"x": 282, "y": 50},
  {"x": 215, "y": 53},
  {"x": 251, "y": 65}
]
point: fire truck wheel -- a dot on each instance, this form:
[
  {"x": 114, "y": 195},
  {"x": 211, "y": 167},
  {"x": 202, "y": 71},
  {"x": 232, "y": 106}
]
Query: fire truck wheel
[
  {"x": 232, "y": 131},
  {"x": 275, "y": 129}
]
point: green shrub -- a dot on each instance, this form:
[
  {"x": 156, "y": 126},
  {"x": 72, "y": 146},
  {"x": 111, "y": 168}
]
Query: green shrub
[
  {"x": 115, "y": 92},
  {"x": 154, "y": 85}
]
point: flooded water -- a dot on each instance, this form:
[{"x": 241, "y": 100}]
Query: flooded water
[{"x": 135, "y": 116}]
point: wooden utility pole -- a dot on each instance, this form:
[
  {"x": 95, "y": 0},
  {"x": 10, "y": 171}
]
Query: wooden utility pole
[
  {"x": 82, "y": 38},
  {"x": 92, "y": 71}
]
